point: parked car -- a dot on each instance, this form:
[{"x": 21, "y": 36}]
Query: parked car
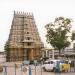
[
  {"x": 56, "y": 65},
  {"x": 49, "y": 65}
]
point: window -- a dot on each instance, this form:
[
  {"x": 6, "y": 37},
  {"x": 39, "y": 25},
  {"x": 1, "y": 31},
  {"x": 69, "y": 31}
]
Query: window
[
  {"x": 51, "y": 62},
  {"x": 26, "y": 24},
  {"x": 45, "y": 62},
  {"x": 29, "y": 44},
  {"x": 48, "y": 62},
  {"x": 27, "y": 32},
  {"x": 28, "y": 38}
]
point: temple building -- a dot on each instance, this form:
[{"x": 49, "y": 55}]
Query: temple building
[{"x": 24, "y": 42}]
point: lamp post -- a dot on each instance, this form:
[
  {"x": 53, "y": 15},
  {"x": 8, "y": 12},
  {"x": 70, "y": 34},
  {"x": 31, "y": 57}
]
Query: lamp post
[{"x": 53, "y": 54}]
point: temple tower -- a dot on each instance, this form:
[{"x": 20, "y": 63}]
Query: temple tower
[{"x": 24, "y": 42}]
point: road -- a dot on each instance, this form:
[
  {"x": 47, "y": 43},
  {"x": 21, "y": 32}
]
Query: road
[
  {"x": 44, "y": 73},
  {"x": 51, "y": 73}
]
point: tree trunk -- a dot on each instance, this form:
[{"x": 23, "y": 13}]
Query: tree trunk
[{"x": 59, "y": 53}]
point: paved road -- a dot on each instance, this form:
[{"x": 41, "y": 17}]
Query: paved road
[
  {"x": 44, "y": 73},
  {"x": 49, "y": 73}
]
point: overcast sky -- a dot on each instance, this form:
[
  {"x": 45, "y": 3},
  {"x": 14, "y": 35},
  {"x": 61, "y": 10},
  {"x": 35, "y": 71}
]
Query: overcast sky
[{"x": 44, "y": 12}]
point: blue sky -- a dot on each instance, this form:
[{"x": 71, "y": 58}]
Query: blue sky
[{"x": 44, "y": 12}]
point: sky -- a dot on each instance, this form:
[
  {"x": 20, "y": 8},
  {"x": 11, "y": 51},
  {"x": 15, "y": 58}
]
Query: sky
[{"x": 44, "y": 11}]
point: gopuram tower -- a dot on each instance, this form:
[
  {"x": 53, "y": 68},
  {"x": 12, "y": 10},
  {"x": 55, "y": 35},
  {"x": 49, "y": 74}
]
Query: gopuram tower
[{"x": 24, "y": 42}]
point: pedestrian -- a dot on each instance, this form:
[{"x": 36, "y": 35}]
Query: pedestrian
[
  {"x": 70, "y": 64},
  {"x": 25, "y": 71},
  {"x": 57, "y": 67},
  {"x": 30, "y": 72}
]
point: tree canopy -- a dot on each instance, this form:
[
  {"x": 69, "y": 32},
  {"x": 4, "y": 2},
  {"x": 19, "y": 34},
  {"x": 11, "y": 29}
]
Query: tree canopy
[
  {"x": 57, "y": 33},
  {"x": 73, "y": 36}
]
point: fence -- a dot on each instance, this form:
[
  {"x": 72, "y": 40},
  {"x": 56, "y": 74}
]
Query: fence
[{"x": 18, "y": 69}]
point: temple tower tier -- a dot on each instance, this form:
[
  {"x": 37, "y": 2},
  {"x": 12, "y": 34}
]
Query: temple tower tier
[{"x": 24, "y": 42}]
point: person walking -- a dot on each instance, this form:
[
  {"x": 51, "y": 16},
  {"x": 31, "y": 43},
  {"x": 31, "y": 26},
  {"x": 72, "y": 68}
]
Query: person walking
[
  {"x": 30, "y": 71},
  {"x": 25, "y": 71},
  {"x": 70, "y": 64}
]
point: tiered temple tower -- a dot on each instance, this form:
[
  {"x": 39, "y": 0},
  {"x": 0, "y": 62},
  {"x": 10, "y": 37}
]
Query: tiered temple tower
[{"x": 24, "y": 42}]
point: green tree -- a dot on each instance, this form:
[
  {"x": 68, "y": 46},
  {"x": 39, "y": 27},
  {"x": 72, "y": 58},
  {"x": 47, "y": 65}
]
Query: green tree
[
  {"x": 57, "y": 33},
  {"x": 6, "y": 48}
]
